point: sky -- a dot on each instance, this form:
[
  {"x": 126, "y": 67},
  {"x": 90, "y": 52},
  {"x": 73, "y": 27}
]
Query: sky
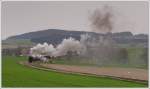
[{"x": 20, "y": 17}]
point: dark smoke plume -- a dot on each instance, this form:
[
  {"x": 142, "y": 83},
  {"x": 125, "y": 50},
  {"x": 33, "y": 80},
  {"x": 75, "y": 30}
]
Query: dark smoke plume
[{"x": 101, "y": 20}]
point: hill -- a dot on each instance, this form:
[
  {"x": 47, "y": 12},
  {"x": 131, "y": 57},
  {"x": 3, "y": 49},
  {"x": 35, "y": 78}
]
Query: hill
[{"x": 55, "y": 36}]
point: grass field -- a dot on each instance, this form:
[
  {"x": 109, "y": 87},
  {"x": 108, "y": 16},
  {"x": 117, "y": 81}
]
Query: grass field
[{"x": 16, "y": 75}]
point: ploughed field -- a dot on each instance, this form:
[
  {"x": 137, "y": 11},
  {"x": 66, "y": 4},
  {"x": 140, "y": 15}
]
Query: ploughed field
[{"x": 17, "y": 75}]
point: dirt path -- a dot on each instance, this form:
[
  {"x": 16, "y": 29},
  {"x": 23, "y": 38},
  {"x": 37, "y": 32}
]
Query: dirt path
[
  {"x": 127, "y": 73},
  {"x": 121, "y": 73}
]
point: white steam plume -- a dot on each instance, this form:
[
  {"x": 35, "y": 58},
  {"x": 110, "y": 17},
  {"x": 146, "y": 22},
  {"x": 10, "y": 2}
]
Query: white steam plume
[{"x": 62, "y": 49}]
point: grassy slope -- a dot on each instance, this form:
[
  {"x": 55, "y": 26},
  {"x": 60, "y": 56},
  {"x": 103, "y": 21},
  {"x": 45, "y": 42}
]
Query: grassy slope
[{"x": 15, "y": 75}]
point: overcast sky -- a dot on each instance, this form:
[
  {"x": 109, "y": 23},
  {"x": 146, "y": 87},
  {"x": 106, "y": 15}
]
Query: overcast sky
[{"x": 26, "y": 16}]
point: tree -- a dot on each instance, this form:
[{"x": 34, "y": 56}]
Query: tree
[{"x": 123, "y": 56}]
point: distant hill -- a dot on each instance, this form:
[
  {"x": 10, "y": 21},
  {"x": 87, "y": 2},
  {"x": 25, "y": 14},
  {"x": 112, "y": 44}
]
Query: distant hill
[{"x": 55, "y": 36}]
